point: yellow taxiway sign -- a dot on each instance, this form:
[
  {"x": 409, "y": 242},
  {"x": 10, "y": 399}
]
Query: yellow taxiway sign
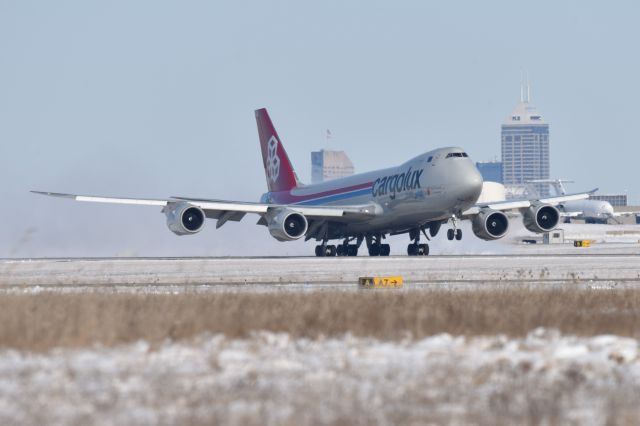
[{"x": 381, "y": 282}]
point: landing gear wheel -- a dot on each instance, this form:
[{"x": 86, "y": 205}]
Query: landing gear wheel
[
  {"x": 319, "y": 251},
  {"x": 423, "y": 249},
  {"x": 374, "y": 250},
  {"x": 352, "y": 250},
  {"x": 450, "y": 234},
  {"x": 341, "y": 250},
  {"x": 330, "y": 251},
  {"x": 458, "y": 234},
  {"x": 412, "y": 249},
  {"x": 385, "y": 249}
]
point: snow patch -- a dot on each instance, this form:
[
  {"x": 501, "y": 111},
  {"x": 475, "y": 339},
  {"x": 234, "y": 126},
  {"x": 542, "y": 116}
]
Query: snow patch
[{"x": 273, "y": 378}]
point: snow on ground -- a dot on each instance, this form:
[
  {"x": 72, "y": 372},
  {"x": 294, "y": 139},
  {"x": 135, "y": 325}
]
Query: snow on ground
[
  {"x": 274, "y": 379},
  {"x": 629, "y": 234}
]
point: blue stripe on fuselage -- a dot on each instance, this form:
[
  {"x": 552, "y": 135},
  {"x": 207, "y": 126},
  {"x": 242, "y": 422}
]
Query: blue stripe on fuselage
[{"x": 336, "y": 197}]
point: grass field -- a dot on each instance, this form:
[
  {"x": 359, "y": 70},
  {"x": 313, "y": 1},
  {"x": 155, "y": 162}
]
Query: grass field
[
  {"x": 47, "y": 320},
  {"x": 324, "y": 357}
]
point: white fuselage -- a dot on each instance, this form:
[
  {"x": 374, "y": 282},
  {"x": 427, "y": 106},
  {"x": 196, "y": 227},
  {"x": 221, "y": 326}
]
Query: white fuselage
[
  {"x": 430, "y": 187},
  {"x": 589, "y": 209}
]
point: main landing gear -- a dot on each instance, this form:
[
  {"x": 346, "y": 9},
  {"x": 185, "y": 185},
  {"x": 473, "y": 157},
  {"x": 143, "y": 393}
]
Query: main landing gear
[
  {"x": 347, "y": 250},
  {"x": 324, "y": 250},
  {"x": 418, "y": 249},
  {"x": 415, "y": 248},
  {"x": 375, "y": 246},
  {"x": 344, "y": 249},
  {"x": 378, "y": 249}
]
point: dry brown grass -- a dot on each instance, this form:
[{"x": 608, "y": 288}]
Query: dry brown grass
[{"x": 46, "y": 320}]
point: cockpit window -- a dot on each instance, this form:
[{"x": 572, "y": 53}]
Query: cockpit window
[
  {"x": 456, "y": 154},
  {"x": 430, "y": 158}
]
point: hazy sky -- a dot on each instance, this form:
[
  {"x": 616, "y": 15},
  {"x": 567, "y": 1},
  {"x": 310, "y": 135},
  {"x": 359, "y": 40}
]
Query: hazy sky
[{"x": 156, "y": 98}]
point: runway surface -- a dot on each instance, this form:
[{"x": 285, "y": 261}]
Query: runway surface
[{"x": 590, "y": 270}]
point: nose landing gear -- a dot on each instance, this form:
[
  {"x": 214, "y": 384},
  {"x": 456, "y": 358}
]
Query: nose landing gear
[{"x": 454, "y": 232}]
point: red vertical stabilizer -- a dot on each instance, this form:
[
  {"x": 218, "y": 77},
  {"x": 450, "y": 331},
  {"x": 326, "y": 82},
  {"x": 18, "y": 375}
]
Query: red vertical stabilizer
[{"x": 277, "y": 167}]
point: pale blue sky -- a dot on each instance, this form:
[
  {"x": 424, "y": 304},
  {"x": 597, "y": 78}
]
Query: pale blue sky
[{"x": 156, "y": 98}]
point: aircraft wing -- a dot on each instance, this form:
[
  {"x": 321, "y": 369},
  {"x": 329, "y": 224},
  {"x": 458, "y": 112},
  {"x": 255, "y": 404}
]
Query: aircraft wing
[
  {"x": 224, "y": 210},
  {"x": 523, "y": 204},
  {"x": 571, "y": 214},
  {"x": 625, "y": 214}
]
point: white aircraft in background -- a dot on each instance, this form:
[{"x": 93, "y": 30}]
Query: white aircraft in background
[
  {"x": 591, "y": 211},
  {"x": 435, "y": 188}
]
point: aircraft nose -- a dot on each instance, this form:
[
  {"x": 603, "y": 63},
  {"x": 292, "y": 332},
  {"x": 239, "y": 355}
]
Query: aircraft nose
[
  {"x": 475, "y": 185},
  {"x": 471, "y": 185}
]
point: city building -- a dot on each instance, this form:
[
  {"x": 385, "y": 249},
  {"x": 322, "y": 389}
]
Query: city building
[
  {"x": 327, "y": 165},
  {"x": 616, "y": 200},
  {"x": 491, "y": 171},
  {"x": 525, "y": 145}
]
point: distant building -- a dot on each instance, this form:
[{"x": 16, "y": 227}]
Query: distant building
[
  {"x": 327, "y": 165},
  {"x": 491, "y": 171},
  {"x": 616, "y": 200},
  {"x": 525, "y": 145}
]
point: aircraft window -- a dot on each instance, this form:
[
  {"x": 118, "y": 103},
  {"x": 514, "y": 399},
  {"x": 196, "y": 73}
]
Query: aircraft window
[{"x": 456, "y": 154}]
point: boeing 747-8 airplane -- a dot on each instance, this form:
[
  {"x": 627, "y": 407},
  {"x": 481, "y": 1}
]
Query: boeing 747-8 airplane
[{"x": 417, "y": 197}]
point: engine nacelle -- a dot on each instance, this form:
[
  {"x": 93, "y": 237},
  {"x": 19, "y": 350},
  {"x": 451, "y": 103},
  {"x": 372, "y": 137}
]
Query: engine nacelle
[
  {"x": 490, "y": 224},
  {"x": 540, "y": 217},
  {"x": 287, "y": 225},
  {"x": 184, "y": 218}
]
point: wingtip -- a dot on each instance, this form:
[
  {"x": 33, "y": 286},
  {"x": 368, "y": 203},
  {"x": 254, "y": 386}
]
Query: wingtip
[{"x": 53, "y": 194}]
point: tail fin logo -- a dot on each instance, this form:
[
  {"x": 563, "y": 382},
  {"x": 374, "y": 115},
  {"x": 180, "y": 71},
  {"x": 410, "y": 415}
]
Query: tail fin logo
[{"x": 273, "y": 161}]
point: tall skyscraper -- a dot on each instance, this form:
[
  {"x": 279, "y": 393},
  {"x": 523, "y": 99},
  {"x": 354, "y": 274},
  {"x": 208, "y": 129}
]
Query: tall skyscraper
[
  {"x": 327, "y": 165},
  {"x": 525, "y": 144}
]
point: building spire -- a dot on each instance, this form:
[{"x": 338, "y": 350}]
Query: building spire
[{"x": 525, "y": 87}]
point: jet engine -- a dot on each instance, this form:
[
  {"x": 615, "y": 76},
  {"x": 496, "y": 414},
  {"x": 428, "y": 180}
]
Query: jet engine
[
  {"x": 490, "y": 224},
  {"x": 540, "y": 217},
  {"x": 287, "y": 225},
  {"x": 184, "y": 218}
]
